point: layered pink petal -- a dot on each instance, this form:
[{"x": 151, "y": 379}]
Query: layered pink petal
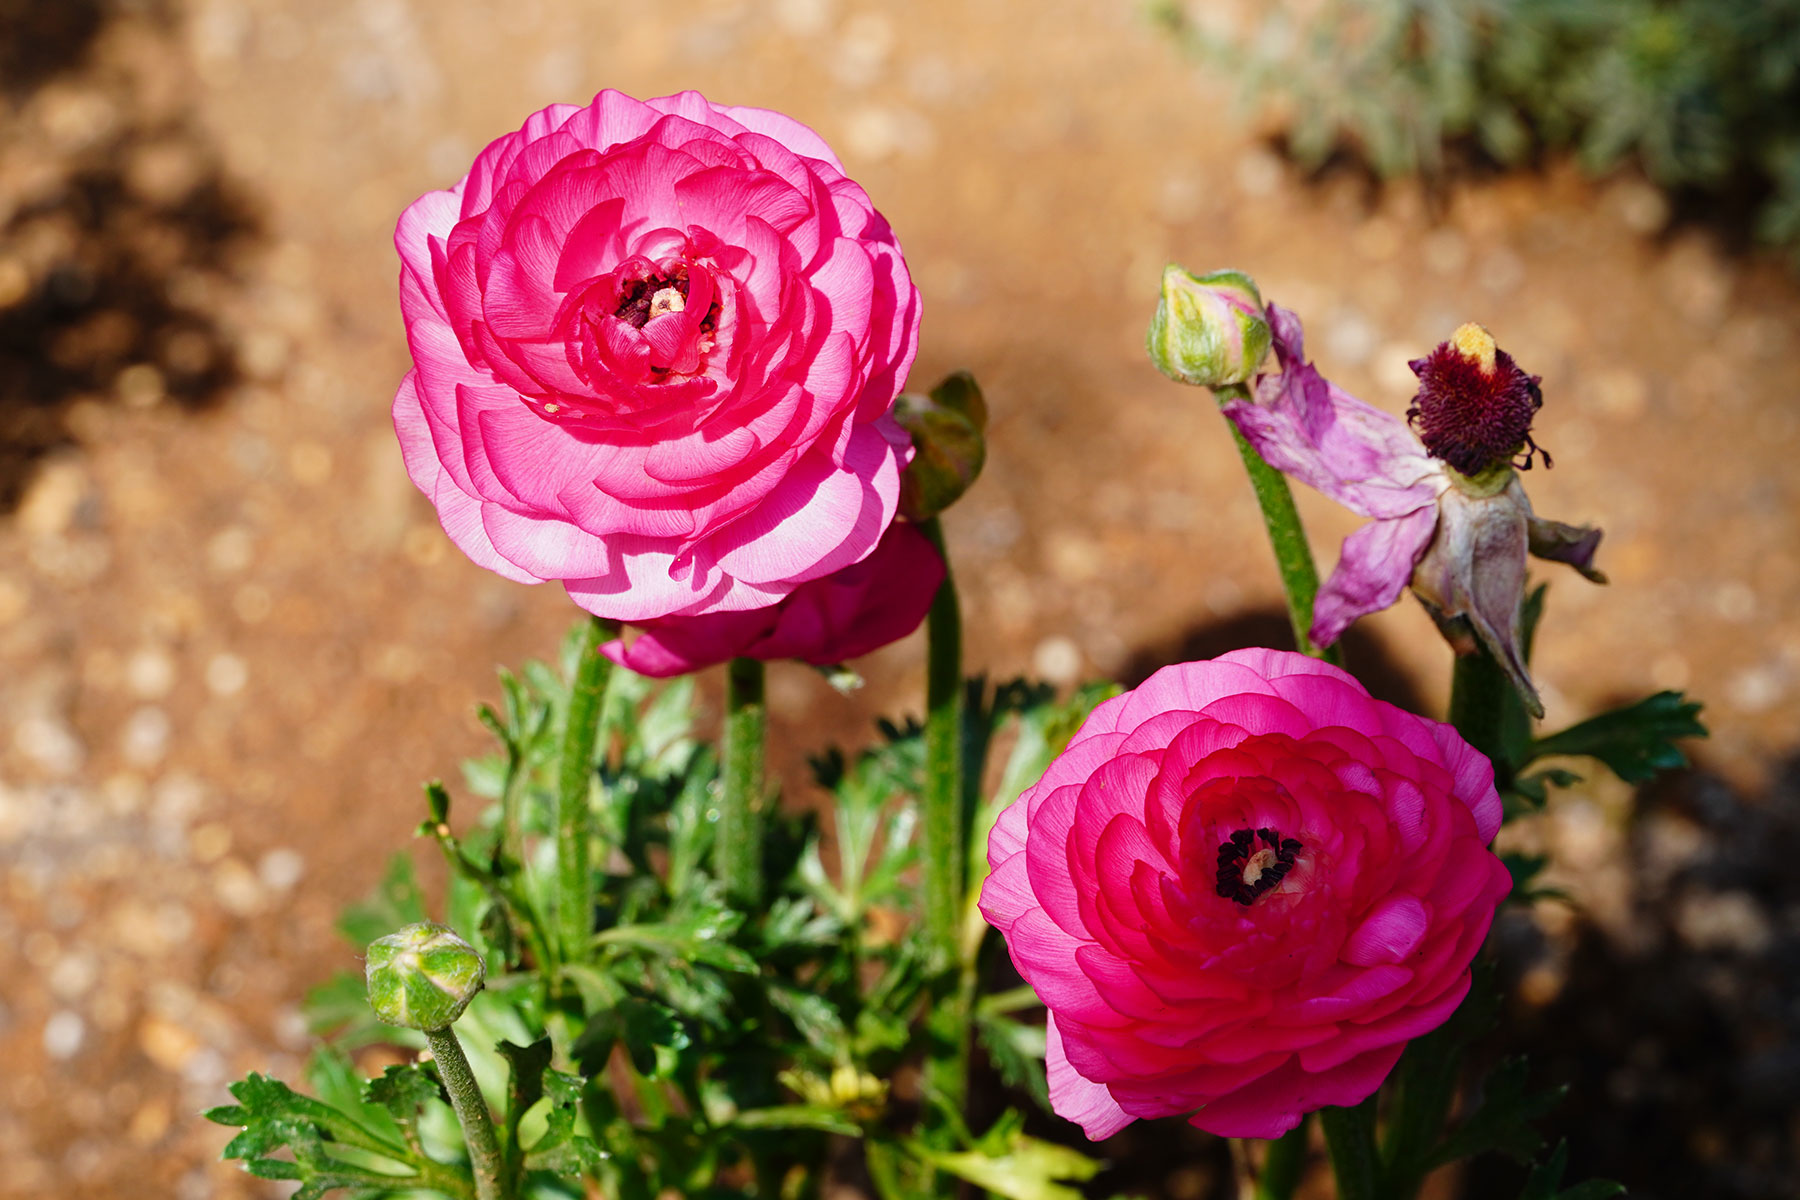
[
  {"x": 1240, "y": 890},
  {"x": 656, "y": 345}
]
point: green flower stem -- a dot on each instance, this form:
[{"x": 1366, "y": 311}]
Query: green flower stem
[
  {"x": 737, "y": 851},
  {"x": 944, "y": 829},
  {"x": 1422, "y": 1089},
  {"x": 943, "y": 807},
  {"x": 1350, "y": 1135},
  {"x": 1479, "y": 694},
  {"x": 1293, "y": 557},
  {"x": 1283, "y": 1166},
  {"x": 575, "y": 779},
  {"x": 471, "y": 1111}
]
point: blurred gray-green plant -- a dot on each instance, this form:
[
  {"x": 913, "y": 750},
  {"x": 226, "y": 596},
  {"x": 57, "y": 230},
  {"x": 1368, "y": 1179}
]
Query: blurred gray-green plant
[{"x": 1704, "y": 95}]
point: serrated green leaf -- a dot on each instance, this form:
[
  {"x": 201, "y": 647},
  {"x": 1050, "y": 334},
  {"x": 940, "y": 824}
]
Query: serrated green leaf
[
  {"x": 1027, "y": 1169},
  {"x": 1506, "y": 1119},
  {"x": 652, "y": 1034},
  {"x": 1636, "y": 742},
  {"x": 814, "y": 1016},
  {"x": 1017, "y": 1052},
  {"x": 797, "y": 1116},
  {"x": 274, "y": 1118},
  {"x": 402, "y": 1090}
]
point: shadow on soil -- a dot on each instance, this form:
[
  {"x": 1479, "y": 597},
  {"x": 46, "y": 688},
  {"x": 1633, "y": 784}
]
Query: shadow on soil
[
  {"x": 112, "y": 259},
  {"x": 1680, "y": 1037}
]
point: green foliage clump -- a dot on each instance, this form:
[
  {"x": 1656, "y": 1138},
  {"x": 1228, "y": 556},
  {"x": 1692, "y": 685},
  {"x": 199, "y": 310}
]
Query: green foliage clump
[{"x": 1702, "y": 94}]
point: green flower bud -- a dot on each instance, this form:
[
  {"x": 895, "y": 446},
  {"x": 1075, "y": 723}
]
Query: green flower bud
[
  {"x": 1209, "y": 330},
  {"x": 949, "y": 449},
  {"x": 423, "y": 976}
]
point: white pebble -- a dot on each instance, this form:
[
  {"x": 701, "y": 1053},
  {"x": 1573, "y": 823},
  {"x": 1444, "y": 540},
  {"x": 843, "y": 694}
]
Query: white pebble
[
  {"x": 49, "y": 743},
  {"x": 281, "y": 868},
  {"x": 229, "y": 550},
  {"x": 150, "y": 673},
  {"x": 226, "y": 675},
  {"x": 145, "y": 739},
  {"x": 63, "y": 1034},
  {"x": 73, "y": 975},
  {"x": 1057, "y": 659}
]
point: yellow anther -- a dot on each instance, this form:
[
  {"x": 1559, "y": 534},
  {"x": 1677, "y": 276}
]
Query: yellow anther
[{"x": 1474, "y": 342}]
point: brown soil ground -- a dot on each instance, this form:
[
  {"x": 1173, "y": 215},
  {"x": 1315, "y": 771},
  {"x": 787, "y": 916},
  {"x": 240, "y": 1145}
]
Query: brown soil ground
[{"x": 233, "y": 639}]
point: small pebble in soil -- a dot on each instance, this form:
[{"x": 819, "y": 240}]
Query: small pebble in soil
[
  {"x": 63, "y": 1034},
  {"x": 1058, "y": 660}
]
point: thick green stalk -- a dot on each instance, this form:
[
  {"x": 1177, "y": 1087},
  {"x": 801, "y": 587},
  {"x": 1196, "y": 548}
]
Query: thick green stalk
[
  {"x": 1479, "y": 692},
  {"x": 471, "y": 1111},
  {"x": 944, "y": 828},
  {"x": 1283, "y": 1166},
  {"x": 575, "y": 779},
  {"x": 737, "y": 851},
  {"x": 1423, "y": 1088},
  {"x": 942, "y": 818},
  {"x": 1293, "y": 557},
  {"x": 1350, "y": 1135}
]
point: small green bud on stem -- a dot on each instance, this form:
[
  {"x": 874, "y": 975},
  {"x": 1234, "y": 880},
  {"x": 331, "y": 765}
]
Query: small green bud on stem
[
  {"x": 423, "y": 976},
  {"x": 949, "y": 447},
  {"x": 1209, "y": 330}
]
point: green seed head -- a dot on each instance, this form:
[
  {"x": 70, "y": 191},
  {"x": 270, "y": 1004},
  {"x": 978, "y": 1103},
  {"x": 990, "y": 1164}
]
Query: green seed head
[{"x": 423, "y": 976}]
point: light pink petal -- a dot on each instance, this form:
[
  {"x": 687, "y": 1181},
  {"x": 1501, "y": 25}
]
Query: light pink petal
[
  {"x": 787, "y": 132},
  {"x": 1374, "y": 566},
  {"x": 459, "y": 512},
  {"x": 1076, "y": 1099},
  {"x": 1186, "y": 686},
  {"x": 819, "y": 519}
]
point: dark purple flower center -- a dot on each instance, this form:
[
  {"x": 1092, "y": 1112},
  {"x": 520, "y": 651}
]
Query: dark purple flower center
[
  {"x": 1475, "y": 406},
  {"x": 1254, "y": 861},
  {"x": 657, "y": 295}
]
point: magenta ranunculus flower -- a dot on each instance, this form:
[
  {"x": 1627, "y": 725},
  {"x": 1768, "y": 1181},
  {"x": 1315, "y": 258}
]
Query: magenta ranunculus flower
[
  {"x": 1240, "y": 890},
  {"x": 824, "y": 621},
  {"x": 655, "y": 347}
]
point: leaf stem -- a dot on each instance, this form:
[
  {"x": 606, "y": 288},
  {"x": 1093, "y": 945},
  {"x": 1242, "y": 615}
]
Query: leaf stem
[
  {"x": 737, "y": 850},
  {"x": 1283, "y": 1165},
  {"x": 1293, "y": 557},
  {"x": 575, "y": 780},
  {"x": 944, "y": 829},
  {"x": 942, "y": 817},
  {"x": 1350, "y": 1135},
  {"x": 1478, "y": 701},
  {"x": 471, "y": 1111}
]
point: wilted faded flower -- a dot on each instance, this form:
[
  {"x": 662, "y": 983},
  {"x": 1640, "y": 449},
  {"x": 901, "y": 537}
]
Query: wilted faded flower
[
  {"x": 824, "y": 622},
  {"x": 1450, "y": 515},
  {"x": 1209, "y": 330},
  {"x": 1240, "y": 890},
  {"x": 655, "y": 350}
]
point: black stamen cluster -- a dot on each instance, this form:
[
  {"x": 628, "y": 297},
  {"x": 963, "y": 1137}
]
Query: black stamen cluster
[
  {"x": 636, "y": 297},
  {"x": 1471, "y": 418},
  {"x": 1234, "y": 855}
]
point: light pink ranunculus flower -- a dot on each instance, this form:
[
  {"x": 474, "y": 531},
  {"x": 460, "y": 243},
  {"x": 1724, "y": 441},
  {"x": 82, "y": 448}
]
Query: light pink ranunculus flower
[
  {"x": 1240, "y": 890},
  {"x": 655, "y": 347},
  {"x": 824, "y": 621}
]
